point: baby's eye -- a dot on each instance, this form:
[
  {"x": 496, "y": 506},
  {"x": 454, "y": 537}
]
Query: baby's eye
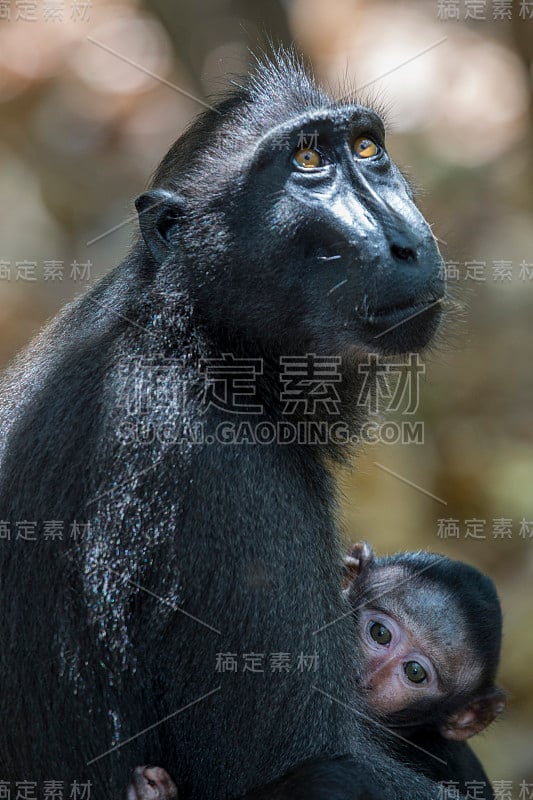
[
  {"x": 380, "y": 633},
  {"x": 415, "y": 672}
]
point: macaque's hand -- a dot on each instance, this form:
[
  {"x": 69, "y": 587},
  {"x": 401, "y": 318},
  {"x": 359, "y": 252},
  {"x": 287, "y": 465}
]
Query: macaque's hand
[{"x": 151, "y": 783}]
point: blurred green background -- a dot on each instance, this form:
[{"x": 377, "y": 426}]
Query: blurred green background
[{"x": 93, "y": 93}]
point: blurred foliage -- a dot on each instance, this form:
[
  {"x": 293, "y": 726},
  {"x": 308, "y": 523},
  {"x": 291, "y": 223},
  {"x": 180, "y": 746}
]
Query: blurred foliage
[{"x": 85, "y": 122}]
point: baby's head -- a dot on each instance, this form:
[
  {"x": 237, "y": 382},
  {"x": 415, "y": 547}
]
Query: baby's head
[{"x": 429, "y": 631}]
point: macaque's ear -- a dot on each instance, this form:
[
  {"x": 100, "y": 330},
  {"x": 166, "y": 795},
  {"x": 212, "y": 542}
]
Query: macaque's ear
[
  {"x": 159, "y": 215},
  {"x": 359, "y": 556},
  {"x": 475, "y": 717}
]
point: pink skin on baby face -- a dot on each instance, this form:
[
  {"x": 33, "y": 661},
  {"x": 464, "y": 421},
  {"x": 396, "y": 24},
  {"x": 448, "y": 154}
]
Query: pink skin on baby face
[{"x": 397, "y": 670}]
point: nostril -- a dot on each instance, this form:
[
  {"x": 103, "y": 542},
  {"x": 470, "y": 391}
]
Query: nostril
[{"x": 403, "y": 253}]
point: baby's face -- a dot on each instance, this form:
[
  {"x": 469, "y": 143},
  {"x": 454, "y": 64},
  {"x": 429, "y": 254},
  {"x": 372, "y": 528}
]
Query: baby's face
[
  {"x": 418, "y": 654},
  {"x": 397, "y": 667}
]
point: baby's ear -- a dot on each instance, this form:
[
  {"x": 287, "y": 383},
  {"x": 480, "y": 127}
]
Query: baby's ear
[
  {"x": 475, "y": 717},
  {"x": 359, "y": 556}
]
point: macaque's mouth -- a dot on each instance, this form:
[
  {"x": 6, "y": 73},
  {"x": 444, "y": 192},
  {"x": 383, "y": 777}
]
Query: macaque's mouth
[{"x": 391, "y": 316}]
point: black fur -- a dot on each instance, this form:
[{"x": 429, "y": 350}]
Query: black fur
[
  {"x": 232, "y": 260},
  {"x": 455, "y": 766}
]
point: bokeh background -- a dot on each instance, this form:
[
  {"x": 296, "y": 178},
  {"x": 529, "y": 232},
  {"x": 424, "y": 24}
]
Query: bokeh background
[{"x": 93, "y": 93}]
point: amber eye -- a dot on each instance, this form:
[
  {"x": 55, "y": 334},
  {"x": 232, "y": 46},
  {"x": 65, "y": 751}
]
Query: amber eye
[
  {"x": 307, "y": 158},
  {"x": 364, "y": 147},
  {"x": 415, "y": 672},
  {"x": 380, "y": 633}
]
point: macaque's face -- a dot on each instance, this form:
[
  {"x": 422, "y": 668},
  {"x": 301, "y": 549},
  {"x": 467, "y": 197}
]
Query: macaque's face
[
  {"x": 420, "y": 659},
  {"x": 397, "y": 667}
]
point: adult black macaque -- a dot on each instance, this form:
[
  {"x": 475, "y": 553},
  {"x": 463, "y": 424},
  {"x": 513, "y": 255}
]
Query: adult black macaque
[{"x": 276, "y": 226}]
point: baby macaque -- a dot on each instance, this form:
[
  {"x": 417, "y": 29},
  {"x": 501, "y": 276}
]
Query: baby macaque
[{"x": 428, "y": 632}]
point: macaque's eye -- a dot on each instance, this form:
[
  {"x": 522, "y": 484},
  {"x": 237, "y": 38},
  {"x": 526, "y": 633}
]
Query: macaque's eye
[
  {"x": 380, "y": 633},
  {"x": 365, "y": 148},
  {"x": 415, "y": 672},
  {"x": 308, "y": 158}
]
